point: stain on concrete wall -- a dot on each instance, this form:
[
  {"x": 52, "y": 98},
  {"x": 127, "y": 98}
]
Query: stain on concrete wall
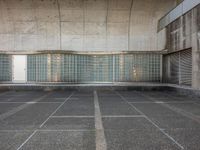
[
  {"x": 179, "y": 33},
  {"x": 182, "y": 34},
  {"x": 81, "y": 25}
]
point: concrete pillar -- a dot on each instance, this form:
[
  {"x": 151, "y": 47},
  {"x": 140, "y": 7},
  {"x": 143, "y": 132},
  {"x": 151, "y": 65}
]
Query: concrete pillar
[
  {"x": 196, "y": 60},
  {"x": 195, "y": 52}
]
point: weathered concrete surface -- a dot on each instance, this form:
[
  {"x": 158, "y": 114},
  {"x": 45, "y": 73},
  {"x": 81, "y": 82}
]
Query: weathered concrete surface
[
  {"x": 82, "y": 25},
  {"x": 184, "y": 33},
  {"x": 153, "y": 120},
  {"x": 196, "y": 48}
]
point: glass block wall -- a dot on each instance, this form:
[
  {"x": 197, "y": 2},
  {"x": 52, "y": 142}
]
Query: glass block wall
[
  {"x": 5, "y": 67},
  {"x": 102, "y": 70},
  {"x": 75, "y": 68},
  {"x": 37, "y": 68},
  {"x": 137, "y": 67}
]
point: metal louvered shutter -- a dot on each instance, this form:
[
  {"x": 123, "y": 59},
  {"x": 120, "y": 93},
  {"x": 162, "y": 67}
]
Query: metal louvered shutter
[
  {"x": 174, "y": 68},
  {"x": 186, "y": 67},
  {"x": 177, "y": 67},
  {"x": 166, "y": 69}
]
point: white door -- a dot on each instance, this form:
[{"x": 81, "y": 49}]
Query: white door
[{"x": 19, "y": 68}]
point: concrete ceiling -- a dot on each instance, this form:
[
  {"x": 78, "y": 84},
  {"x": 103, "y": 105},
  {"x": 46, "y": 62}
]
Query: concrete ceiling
[{"x": 82, "y": 25}]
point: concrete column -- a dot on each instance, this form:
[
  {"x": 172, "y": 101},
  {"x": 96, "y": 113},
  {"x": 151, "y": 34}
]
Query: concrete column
[
  {"x": 196, "y": 60},
  {"x": 195, "y": 52}
]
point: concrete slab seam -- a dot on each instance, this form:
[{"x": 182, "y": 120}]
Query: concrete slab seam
[
  {"x": 177, "y": 110},
  {"x": 161, "y": 130},
  {"x": 124, "y": 116},
  {"x": 56, "y": 109},
  {"x": 72, "y": 116},
  {"x": 19, "y": 108},
  {"x": 42, "y": 124}
]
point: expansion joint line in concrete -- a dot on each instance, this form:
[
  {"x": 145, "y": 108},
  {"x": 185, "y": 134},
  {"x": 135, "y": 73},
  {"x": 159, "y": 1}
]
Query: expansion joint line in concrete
[
  {"x": 100, "y": 135},
  {"x": 56, "y": 110},
  {"x": 72, "y": 116},
  {"x": 124, "y": 116},
  {"x": 182, "y": 112},
  {"x": 176, "y": 110},
  {"x": 44, "y": 122},
  {"x": 21, "y": 107},
  {"x": 161, "y": 130},
  {"x": 161, "y": 102}
]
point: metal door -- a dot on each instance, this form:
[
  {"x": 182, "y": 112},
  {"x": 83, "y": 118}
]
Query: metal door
[{"x": 19, "y": 68}]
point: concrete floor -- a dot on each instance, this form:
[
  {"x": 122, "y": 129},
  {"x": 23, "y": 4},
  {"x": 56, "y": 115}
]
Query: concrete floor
[{"x": 113, "y": 120}]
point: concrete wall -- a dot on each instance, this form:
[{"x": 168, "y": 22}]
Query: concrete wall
[
  {"x": 82, "y": 25},
  {"x": 179, "y": 33},
  {"x": 184, "y": 33}
]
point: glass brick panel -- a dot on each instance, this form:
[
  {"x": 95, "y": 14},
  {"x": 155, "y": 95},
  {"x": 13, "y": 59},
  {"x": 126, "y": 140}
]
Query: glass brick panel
[
  {"x": 5, "y": 67},
  {"x": 76, "y": 68}
]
